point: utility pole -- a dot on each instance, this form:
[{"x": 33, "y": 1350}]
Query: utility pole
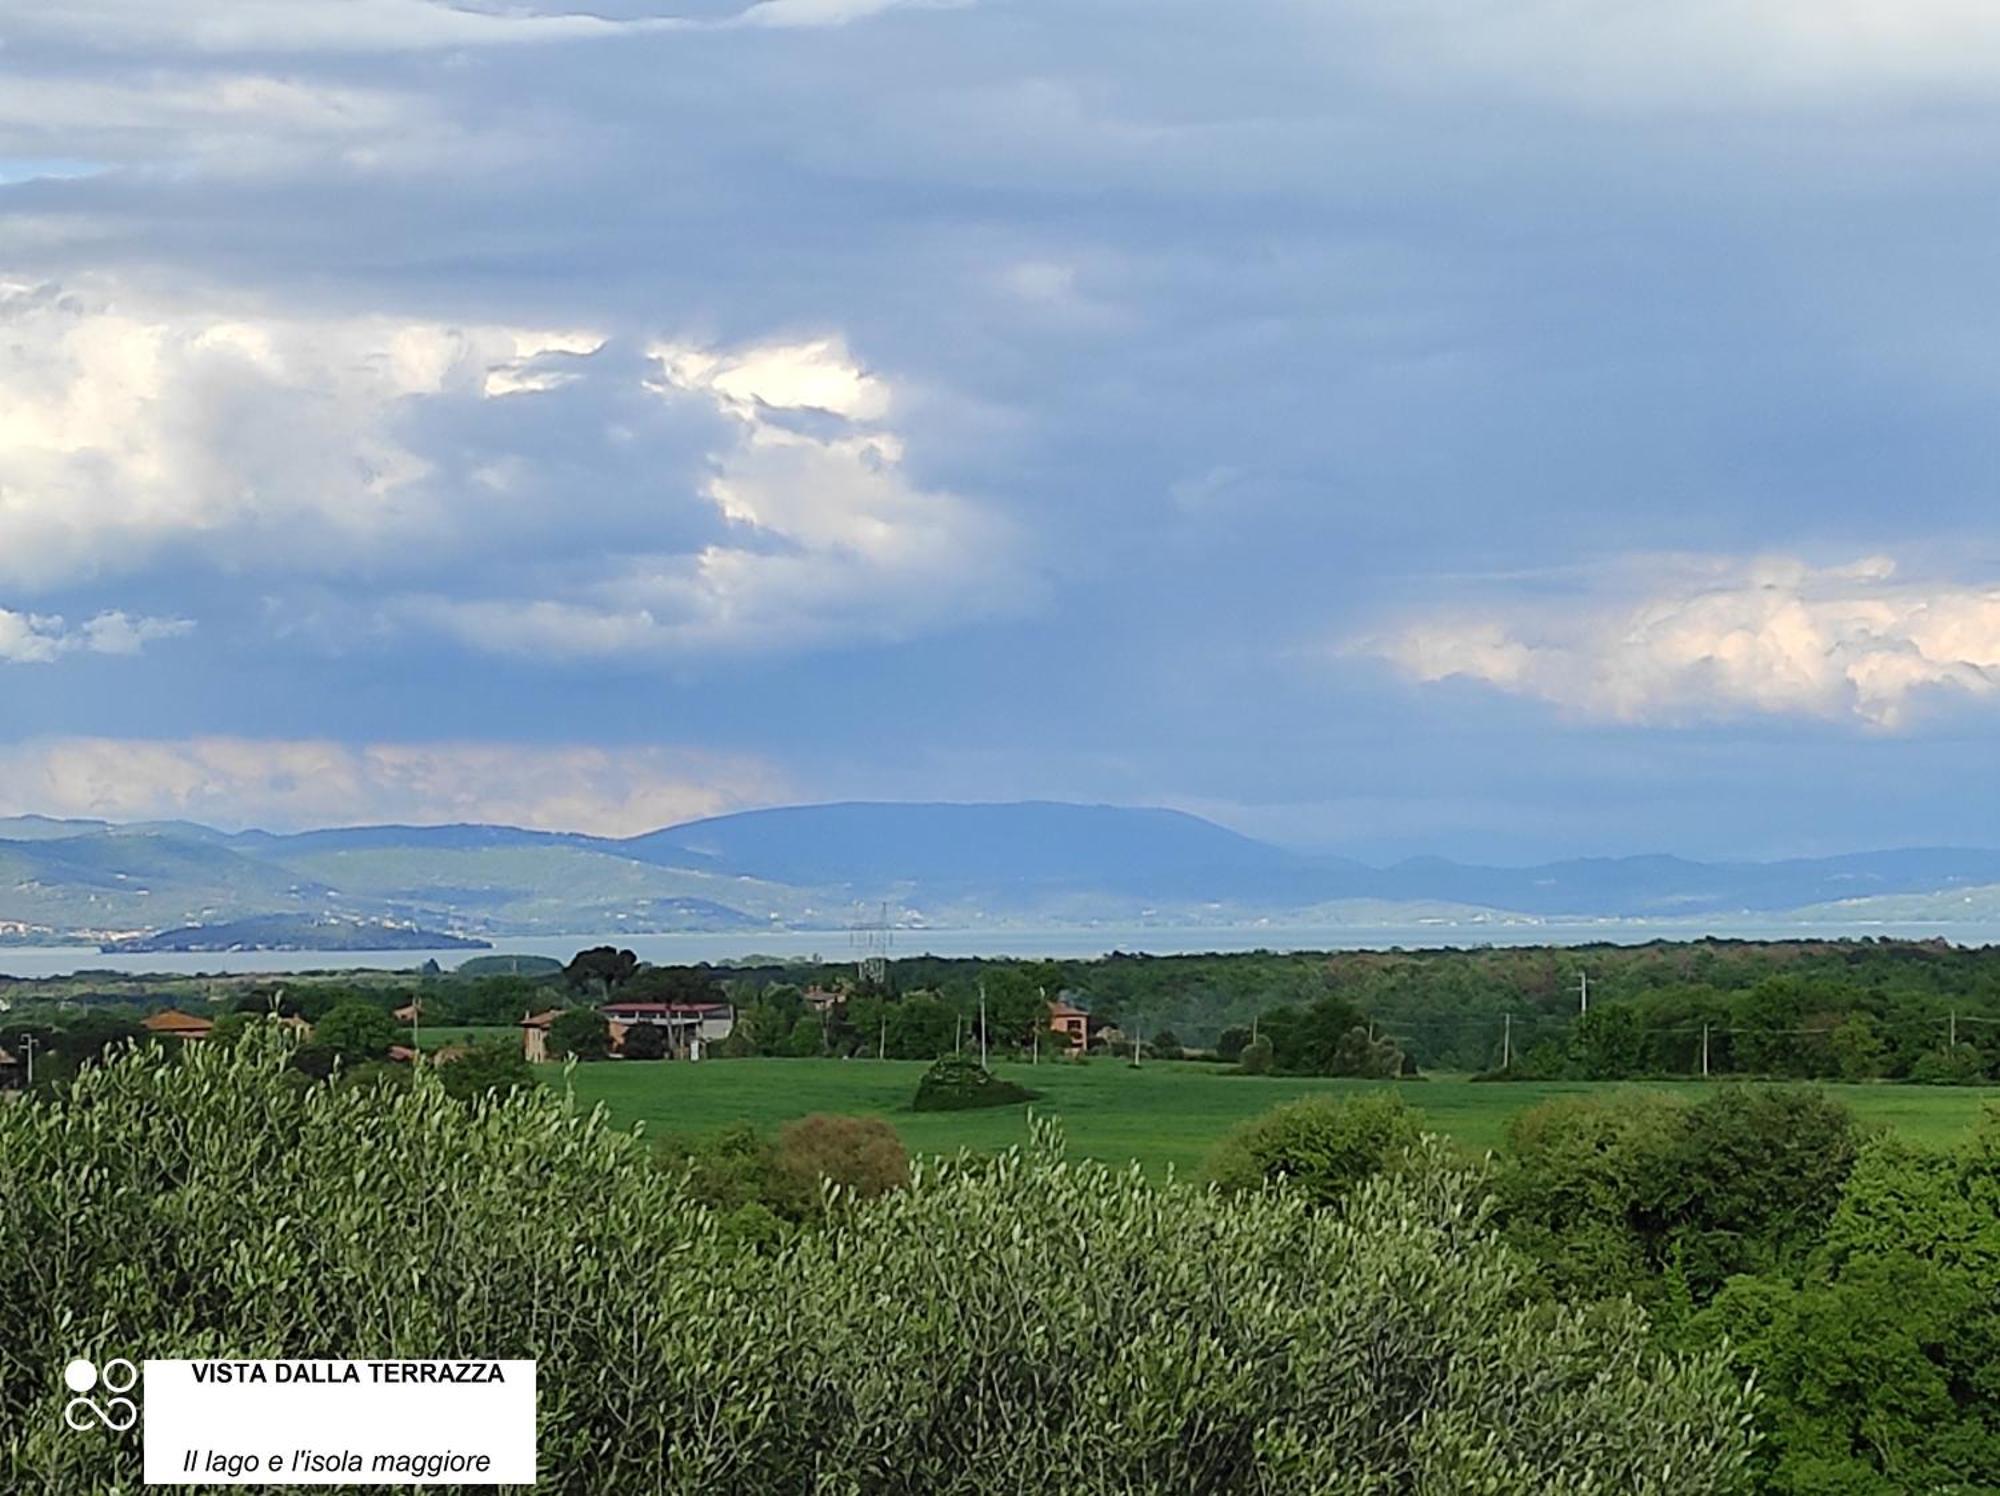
[
  {"x": 1507, "y": 1043},
  {"x": 982, "y": 1025},
  {"x": 1583, "y": 992},
  {"x": 1135, "y": 1049},
  {"x": 1954, "y": 1028},
  {"x": 958, "y": 1033},
  {"x": 882, "y": 1044},
  {"x": 1704, "y": 1051},
  {"x": 28, "y": 1043}
]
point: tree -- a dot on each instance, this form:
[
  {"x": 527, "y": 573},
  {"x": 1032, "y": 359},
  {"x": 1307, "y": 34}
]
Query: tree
[
  {"x": 959, "y": 1083},
  {"x": 1231, "y": 1043},
  {"x": 807, "y": 1038},
  {"x": 581, "y": 1033},
  {"x": 1607, "y": 1043},
  {"x": 672, "y": 984},
  {"x": 1611, "y": 1193},
  {"x": 356, "y": 1030},
  {"x": 862, "y": 1155},
  {"x": 486, "y": 1069},
  {"x": 1321, "y": 1146},
  {"x": 644, "y": 1041},
  {"x": 603, "y": 967}
]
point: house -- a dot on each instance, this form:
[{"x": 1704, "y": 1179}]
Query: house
[
  {"x": 411, "y": 1011},
  {"x": 820, "y": 1000},
  {"x": 690, "y": 1027},
  {"x": 535, "y": 1035},
  {"x": 1067, "y": 1019},
  {"x": 13, "y": 1075},
  {"x": 174, "y": 1024}
]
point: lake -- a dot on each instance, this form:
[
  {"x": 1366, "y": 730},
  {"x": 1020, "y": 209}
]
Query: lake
[{"x": 1067, "y": 943}]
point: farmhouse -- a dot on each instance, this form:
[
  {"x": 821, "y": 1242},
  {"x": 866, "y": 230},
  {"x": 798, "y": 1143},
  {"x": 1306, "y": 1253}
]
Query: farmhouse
[
  {"x": 535, "y": 1035},
  {"x": 690, "y": 1027},
  {"x": 1071, "y": 1022},
  {"x": 174, "y": 1024}
]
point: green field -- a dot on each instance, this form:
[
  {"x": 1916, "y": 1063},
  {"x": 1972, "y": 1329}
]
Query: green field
[
  {"x": 1161, "y": 1114},
  {"x": 438, "y": 1035}
]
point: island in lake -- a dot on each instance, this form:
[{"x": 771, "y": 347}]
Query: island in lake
[{"x": 296, "y": 932}]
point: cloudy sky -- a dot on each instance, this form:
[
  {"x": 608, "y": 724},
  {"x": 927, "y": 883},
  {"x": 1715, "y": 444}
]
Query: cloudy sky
[{"x": 1498, "y": 428}]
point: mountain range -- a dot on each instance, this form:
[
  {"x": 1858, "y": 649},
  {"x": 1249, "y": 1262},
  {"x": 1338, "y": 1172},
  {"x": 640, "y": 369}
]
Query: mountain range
[{"x": 940, "y": 865}]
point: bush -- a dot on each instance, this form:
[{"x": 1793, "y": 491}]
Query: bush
[
  {"x": 1610, "y": 1193},
  {"x": 485, "y": 1068},
  {"x": 580, "y": 1033},
  {"x": 958, "y": 1084},
  {"x": 644, "y": 1041},
  {"x": 1958, "y": 1065},
  {"x": 862, "y": 1155},
  {"x": 1256, "y": 1057},
  {"x": 1021, "y": 1326},
  {"x": 356, "y": 1031},
  {"x": 1321, "y": 1146}
]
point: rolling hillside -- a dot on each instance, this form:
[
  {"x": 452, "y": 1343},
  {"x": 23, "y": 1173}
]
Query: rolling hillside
[{"x": 824, "y": 866}]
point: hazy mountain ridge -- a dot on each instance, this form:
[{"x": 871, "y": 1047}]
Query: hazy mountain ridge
[{"x": 828, "y": 866}]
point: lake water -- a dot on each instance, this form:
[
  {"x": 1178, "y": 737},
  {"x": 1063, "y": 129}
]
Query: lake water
[{"x": 836, "y": 945}]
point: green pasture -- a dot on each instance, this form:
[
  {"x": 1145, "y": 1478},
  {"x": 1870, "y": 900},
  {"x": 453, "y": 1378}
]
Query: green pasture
[
  {"x": 439, "y": 1035},
  {"x": 1160, "y": 1114}
]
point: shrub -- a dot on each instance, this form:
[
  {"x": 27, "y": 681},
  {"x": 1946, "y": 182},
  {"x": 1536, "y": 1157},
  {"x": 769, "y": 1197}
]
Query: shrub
[
  {"x": 1321, "y": 1146},
  {"x": 484, "y": 1068},
  {"x": 862, "y": 1155},
  {"x": 356, "y": 1030},
  {"x": 644, "y": 1041},
  {"x": 1958, "y": 1065},
  {"x": 1611, "y": 1192},
  {"x": 1256, "y": 1057},
  {"x": 958, "y": 1084},
  {"x": 1020, "y": 1326},
  {"x": 580, "y": 1033}
]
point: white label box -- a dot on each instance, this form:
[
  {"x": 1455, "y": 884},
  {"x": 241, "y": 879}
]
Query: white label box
[{"x": 339, "y": 1423}]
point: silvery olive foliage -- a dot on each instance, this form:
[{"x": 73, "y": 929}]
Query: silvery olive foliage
[{"x": 1017, "y": 1325}]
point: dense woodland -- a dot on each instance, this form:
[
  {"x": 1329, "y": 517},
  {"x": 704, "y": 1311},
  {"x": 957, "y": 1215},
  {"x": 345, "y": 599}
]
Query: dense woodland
[{"x": 1850, "y": 1010}]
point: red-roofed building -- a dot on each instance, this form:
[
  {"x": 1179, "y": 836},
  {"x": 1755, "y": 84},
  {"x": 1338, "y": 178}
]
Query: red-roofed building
[
  {"x": 174, "y": 1024},
  {"x": 1067, "y": 1019},
  {"x": 535, "y": 1035},
  {"x": 690, "y": 1027}
]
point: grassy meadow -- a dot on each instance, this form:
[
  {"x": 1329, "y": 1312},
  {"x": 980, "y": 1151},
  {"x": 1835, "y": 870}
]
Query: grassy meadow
[{"x": 1160, "y": 1114}]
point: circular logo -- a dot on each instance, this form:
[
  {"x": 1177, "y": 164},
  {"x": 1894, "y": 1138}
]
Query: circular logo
[{"x": 117, "y": 1413}]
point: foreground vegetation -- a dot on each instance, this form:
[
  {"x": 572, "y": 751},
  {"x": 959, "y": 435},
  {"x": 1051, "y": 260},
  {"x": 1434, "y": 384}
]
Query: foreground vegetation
[{"x": 1019, "y": 1325}]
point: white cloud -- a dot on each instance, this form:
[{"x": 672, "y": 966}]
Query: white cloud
[
  {"x": 38, "y": 638},
  {"x": 829, "y": 537},
  {"x": 831, "y": 12},
  {"x": 299, "y": 449},
  {"x": 1726, "y": 638},
  {"x": 127, "y": 429},
  {"x": 284, "y": 784},
  {"x": 1696, "y": 54},
  {"x": 288, "y": 27}
]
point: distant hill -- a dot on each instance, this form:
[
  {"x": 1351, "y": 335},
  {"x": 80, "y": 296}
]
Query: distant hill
[
  {"x": 824, "y": 867},
  {"x": 292, "y": 932}
]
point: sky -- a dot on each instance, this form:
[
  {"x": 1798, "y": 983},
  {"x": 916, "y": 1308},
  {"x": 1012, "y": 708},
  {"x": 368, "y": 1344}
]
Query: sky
[{"x": 1500, "y": 429}]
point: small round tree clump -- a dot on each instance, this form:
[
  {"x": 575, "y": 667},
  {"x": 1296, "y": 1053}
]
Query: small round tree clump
[{"x": 958, "y": 1084}]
